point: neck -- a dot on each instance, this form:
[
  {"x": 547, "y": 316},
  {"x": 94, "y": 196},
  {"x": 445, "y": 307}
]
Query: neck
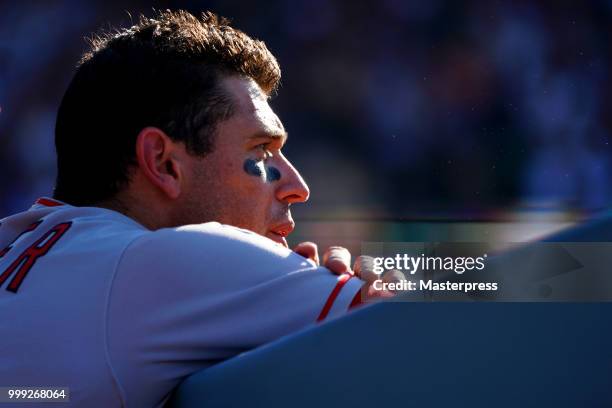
[{"x": 140, "y": 212}]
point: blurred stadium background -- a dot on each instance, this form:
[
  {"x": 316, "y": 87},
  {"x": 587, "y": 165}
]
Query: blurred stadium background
[{"x": 410, "y": 120}]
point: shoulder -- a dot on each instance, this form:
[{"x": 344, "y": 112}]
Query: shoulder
[
  {"x": 210, "y": 238},
  {"x": 213, "y": 249}
]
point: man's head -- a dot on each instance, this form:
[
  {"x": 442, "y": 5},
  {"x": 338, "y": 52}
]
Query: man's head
[{"x": 169, "y": 122}]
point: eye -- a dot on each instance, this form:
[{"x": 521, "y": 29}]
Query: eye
[{"x": 264, "y": 148}]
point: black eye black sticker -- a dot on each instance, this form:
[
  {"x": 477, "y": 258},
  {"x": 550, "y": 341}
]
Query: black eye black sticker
[
  {"x": 252, "y": 168},
  {"x": 272, "y": 174}
]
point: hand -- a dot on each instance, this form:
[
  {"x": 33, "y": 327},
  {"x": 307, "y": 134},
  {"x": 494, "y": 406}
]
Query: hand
[
  {"x": 308, "y": 250},
  {"x": 338, "y": 260}
]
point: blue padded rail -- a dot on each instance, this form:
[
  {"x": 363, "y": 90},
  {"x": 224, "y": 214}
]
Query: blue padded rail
[
  {"x": 426, "y": 354},
  {"x": 429, "y": 355}
]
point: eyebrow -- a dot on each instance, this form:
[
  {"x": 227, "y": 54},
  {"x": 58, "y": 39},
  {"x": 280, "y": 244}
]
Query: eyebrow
[{"x": 280, "y": 135}]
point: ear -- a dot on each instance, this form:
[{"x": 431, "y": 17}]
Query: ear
[{"x": 158, "y": 159}]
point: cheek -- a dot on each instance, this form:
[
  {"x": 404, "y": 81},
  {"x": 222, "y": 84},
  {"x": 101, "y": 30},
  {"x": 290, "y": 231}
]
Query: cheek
[
  {"x": 237, "y": 194},
  {"x": 243, "y": 184}
]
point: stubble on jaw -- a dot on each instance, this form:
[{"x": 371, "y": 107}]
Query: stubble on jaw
[{"x": 211, "y": 199}]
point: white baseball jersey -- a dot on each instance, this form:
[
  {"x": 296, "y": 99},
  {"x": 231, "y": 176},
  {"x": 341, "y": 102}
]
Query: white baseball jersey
[{"x": 93, "y": 301}]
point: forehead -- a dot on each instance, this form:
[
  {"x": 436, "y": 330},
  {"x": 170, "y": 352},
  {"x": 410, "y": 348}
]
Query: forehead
[{"x": 253, "y": 113}]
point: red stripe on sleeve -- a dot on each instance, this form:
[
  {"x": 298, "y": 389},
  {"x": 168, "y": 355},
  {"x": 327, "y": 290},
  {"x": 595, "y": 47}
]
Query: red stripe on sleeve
[
  {"x": 357, "y": 299},
  {"x": 48, "y": 202},
  {"x": 342, "y": 279}
]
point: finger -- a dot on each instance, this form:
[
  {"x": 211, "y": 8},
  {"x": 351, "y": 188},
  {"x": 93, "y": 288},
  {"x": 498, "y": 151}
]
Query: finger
[
  {"x": 308, "y": 250},
  {"x": 393, "y": 276},
  {"x": 337, "y": 259},
  {"x": 364, "y": 268}
]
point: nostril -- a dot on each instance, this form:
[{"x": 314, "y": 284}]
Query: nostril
[{"x": 294, "y": 198}]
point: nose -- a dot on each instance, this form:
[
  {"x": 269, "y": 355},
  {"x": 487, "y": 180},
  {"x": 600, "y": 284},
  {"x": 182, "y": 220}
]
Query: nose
[{"x": 291, "y": 187}]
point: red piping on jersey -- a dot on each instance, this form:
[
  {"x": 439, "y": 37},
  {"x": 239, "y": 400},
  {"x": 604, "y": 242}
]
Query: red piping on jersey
[
  {"x": 48, "y": 202},
  {"x": 342, "y": 279},
  {"x": 357, "y": 299}
]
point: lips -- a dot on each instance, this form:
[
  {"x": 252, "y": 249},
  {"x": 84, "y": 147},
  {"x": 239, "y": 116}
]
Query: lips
[{"x": 279, "y": 232}]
